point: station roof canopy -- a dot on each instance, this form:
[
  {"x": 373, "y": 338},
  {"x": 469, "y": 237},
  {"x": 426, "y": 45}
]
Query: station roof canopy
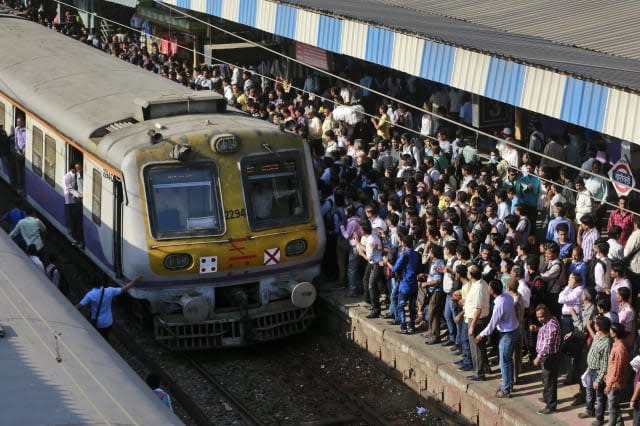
[
  {"x": 597, "y": 40},
  {"x": 575, "y": 60}
]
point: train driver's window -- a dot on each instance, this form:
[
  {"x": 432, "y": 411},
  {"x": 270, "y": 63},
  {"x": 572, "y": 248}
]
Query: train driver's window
[
  {"x": 183, "y": 201},
  {"x": 274, "y": 190}
]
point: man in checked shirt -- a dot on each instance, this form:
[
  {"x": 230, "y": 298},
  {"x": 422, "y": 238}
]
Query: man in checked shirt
[
  {"x": 547, "y": 348},
  {"x": 597, "y": 360}
]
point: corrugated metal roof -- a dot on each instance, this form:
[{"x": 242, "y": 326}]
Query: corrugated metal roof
[
  {"x": 538, "y": 32},
  {"x": 128, "y": 3},
  {"x": 604, "y": 26}
]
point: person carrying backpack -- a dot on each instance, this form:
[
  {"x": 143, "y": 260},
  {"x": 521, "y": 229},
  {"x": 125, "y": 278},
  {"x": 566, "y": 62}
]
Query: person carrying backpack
[{"x": 599, "y": 269}]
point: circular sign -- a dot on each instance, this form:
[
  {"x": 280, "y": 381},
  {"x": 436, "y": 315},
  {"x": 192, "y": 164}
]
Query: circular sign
[{"x": 622, "y": 178}]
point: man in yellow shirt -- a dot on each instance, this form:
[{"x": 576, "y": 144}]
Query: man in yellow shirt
[
  {"x": 476, "y": 314},
  {"x": 382, "y": 124}
]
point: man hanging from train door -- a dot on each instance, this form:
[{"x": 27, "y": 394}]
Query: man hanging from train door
[
  {"x": 73, "y": 188},
  {"x": 70, "y": 199},
  {"x": 20, "y": 143}
]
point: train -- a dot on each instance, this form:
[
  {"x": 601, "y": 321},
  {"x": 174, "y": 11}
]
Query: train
[
  {"x": 56, "y": 369},
  {"x": 218, "y": 211}
]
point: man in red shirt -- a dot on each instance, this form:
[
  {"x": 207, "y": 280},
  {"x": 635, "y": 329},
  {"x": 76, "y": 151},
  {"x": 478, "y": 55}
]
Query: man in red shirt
[
  {"x": 623, "y": 218},
  {"x": 616, "y": 373}
]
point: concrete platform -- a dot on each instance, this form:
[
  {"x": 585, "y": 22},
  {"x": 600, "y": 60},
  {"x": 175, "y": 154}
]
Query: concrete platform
[{"x": 430, "y": 371}]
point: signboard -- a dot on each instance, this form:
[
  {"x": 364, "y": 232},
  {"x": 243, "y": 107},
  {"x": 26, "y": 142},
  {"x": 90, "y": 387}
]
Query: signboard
[
  {"x": 489, "y": 113},
  {"x": 622, "y": 177},
  {"x": 312, "y": 55}
]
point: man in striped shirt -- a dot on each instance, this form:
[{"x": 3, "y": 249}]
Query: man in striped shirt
[
  {"x": 597, "y": 360},
  {"x": 587, "y": 236},
  {"x": 547, "y": 348}
]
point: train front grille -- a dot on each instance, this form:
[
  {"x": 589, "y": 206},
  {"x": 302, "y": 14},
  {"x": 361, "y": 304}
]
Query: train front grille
[{"x": 233, "y": 330}]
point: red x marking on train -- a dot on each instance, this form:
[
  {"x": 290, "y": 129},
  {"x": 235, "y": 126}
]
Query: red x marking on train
[
  {"x": 236, "y": 248},
  {"x": 272, "y": 256}
]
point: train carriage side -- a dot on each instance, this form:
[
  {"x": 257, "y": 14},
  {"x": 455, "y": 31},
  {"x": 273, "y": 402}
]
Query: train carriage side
[{"x": 56, "y": 368}]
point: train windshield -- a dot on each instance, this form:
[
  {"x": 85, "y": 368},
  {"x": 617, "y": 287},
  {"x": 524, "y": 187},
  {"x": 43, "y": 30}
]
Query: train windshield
[
  {"x": 184, "y": 200},
  {"x": 274, "y": 190}
]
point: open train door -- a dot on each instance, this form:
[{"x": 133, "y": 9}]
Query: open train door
[{"x": 118, "y": 199}]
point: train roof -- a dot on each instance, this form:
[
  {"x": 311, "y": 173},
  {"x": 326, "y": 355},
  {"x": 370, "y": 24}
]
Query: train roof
[
  {"x": 77, "y": 89},
  {"x": 74, "y": 379}
]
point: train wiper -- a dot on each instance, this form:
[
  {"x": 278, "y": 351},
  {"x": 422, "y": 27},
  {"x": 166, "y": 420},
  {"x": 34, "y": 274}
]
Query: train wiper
[{"x": 270, "y": 150}]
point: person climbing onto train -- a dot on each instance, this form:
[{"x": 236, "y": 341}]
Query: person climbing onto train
[
  {"x": 12, "y": 217},
  {"x": 101, "y": 298},
  {"x": 31, "y": 229}
]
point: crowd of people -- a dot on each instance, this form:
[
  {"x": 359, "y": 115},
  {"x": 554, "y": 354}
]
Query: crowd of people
[{"x": 516, "y": 252}]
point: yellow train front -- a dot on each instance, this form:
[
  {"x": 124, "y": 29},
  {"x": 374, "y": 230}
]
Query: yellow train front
[{"x": 230, "y": 226}]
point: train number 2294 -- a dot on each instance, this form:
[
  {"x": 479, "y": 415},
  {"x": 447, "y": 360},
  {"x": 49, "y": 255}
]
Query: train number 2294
[{"x": 234, "y": 214}]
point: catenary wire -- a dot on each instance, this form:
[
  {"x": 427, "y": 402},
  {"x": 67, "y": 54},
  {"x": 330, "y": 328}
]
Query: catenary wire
[{"x": 386, "y": 96}]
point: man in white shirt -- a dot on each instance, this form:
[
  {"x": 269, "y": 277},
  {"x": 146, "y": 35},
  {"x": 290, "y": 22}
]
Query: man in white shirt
[
  {"x": 476, "y": 314},
  {"x": 523, "y": 289},
  {"x": 31, "y": 229},
  {"x": 616, "y": 250},
  {"x": 602, "y": 268},
  {"x": 20, "y": 143},
  {"x": 583, "y": 200},
  {"x": 501, "y": 201}
]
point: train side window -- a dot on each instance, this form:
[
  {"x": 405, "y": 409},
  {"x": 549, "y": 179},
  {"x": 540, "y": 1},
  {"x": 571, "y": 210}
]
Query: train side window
[
  {"x": 96, "y": 197},
  {"x": 36, "y": 151},
  {"x": 50, "y": 160}
]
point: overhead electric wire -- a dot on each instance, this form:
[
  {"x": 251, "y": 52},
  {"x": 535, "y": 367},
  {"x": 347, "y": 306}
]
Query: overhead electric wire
[{"x": 362, "y": 87}]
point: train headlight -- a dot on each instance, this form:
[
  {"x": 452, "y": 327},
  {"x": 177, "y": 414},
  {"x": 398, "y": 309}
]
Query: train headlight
[
  {"x": 177, "y": 261},
  {"x": 295, "y": 247},
  {"x": 225, "y": 144}
]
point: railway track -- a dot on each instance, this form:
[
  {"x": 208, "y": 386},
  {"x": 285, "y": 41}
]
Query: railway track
[{"x": 346, "y": 409}]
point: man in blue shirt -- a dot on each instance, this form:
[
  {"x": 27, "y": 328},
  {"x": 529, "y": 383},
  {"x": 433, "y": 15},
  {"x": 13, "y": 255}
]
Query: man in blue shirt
[
  {"x": 553, "y": 224},
  {"x": 100, "y": 298},
  {"x": 528, "y": 191},
  {"x": 407, "y": 266},
  {"x": 505, "y": 320}
]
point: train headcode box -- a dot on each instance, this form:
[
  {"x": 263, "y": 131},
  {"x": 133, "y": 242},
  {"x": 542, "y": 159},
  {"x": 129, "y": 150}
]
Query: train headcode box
[{"x": 622, "y": 177}]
